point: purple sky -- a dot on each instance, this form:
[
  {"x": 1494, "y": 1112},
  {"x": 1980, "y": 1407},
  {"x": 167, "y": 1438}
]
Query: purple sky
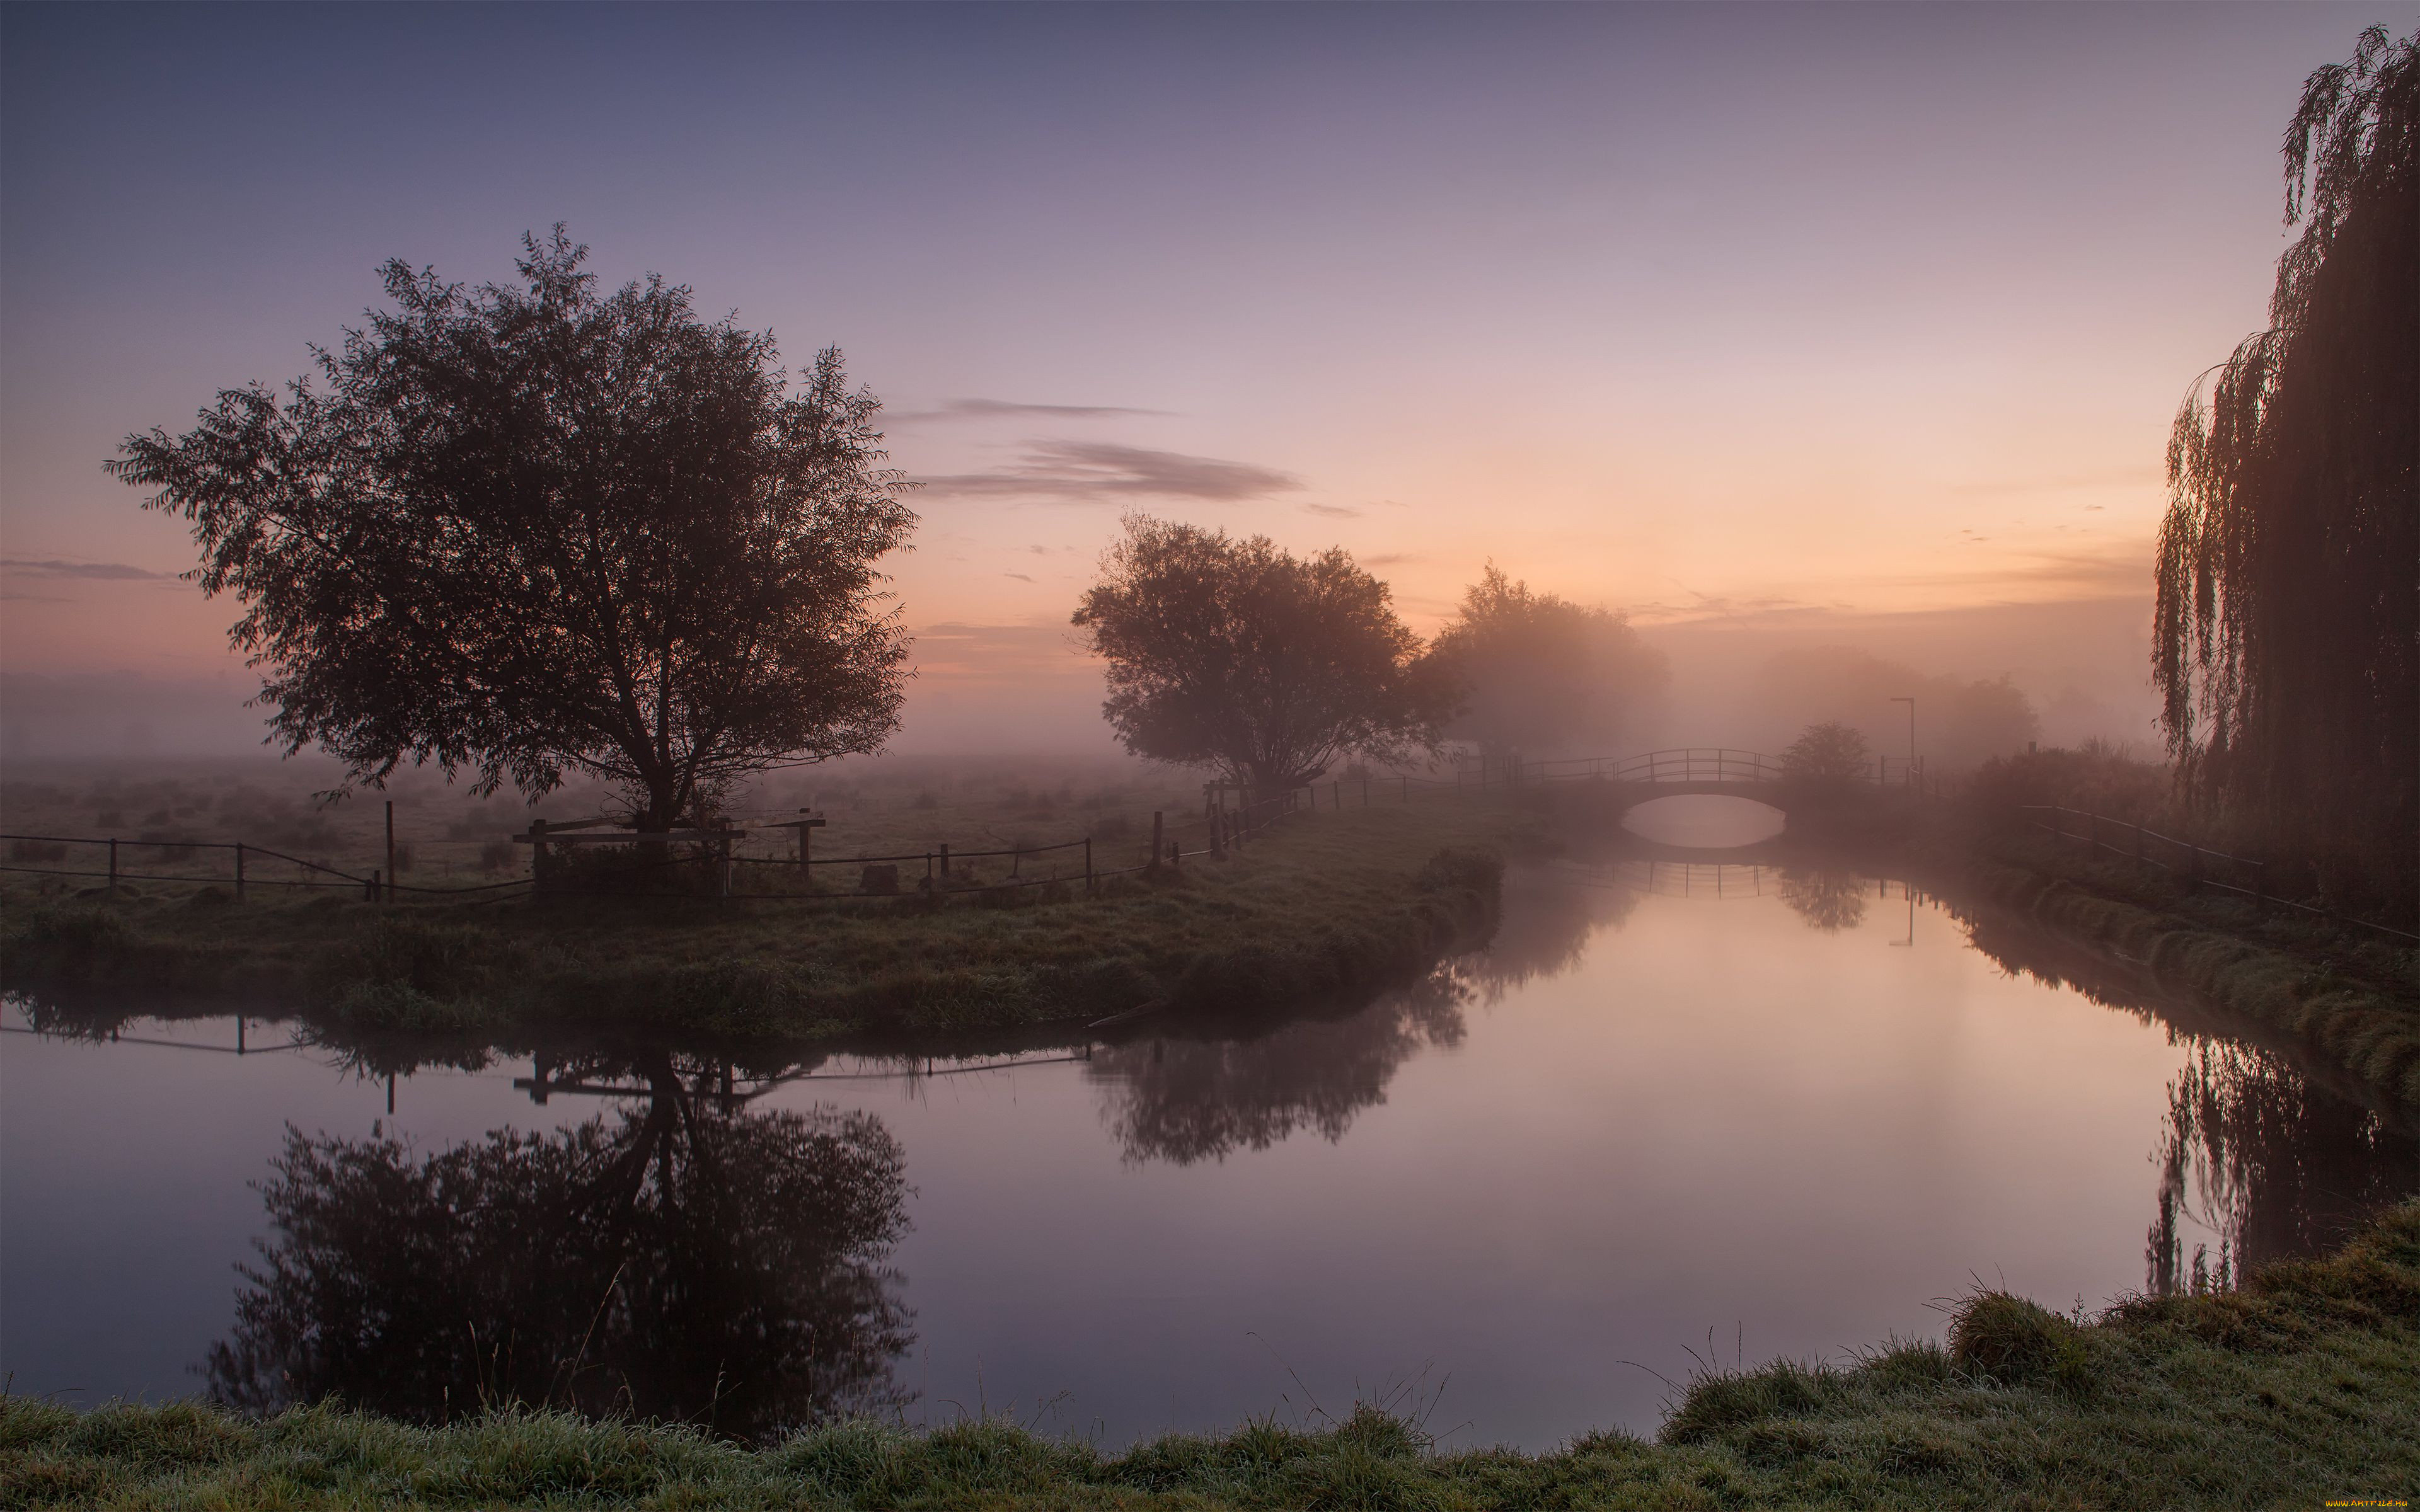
[{"x": 1733, "y": 311}]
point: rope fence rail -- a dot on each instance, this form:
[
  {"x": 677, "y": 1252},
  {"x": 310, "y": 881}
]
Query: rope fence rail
[
  {"x": 2183, "y": 858},
  {"x": 1228, "y": 819}
]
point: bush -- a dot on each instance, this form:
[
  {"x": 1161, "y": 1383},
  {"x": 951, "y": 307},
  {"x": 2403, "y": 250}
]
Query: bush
[
  {"x": 1831, "y": 754},
  {"x": 2096, "y": 777}
]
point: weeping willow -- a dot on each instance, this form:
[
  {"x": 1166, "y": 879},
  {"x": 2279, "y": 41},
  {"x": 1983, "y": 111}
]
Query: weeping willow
[{"x": 2286, "y": 644}]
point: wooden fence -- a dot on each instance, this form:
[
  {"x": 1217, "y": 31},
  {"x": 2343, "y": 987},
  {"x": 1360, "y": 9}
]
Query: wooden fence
[
  {"x": 2199, "y": 866},
  {"x": 1229, "y": 820}
]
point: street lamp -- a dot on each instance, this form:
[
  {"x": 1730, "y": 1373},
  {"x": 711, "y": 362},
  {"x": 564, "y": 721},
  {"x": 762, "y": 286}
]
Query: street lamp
[{"x": 1911, "y": 739}]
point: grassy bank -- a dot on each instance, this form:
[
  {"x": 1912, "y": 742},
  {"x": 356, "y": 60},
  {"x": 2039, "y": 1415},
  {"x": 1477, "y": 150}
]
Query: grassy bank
[
  {"x": 1330, "y": 904},
  {"x": 2303, "y": 1385},
  {"x": 2356, "y": 1002}
]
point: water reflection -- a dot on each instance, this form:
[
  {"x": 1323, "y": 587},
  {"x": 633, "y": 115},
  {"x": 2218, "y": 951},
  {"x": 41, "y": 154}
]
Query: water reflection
[
  {"x": 1185, "y": 1100},
  {"x": 687, "y": 1258},
  {"x": 2271, "y": 1166},
  {"x": 1828, "y": 901},
  {"x": 1549, "y": 917}
]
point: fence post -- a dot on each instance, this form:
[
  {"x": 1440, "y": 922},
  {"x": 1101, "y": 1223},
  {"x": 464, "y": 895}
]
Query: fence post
[
  {"x": 1336, "y": 794},
  {"x": 1157, "y": 819},
  {"x": 113, "y": 866},
  {"x": 1088, "y": 866},
  {"x": 945, "y": 861},
  {"x": 238, "y": 871},
  {"x": 389, "y": 850}
]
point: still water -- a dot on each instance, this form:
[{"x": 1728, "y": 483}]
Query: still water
[{"x": 1674, "y": 1112}]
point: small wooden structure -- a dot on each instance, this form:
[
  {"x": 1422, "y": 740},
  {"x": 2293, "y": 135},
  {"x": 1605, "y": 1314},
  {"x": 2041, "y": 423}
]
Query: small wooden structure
[
  {"x": 543, "y": 837},
  {"x": 808, "y": 820}
]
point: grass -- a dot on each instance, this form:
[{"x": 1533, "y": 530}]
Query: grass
[
  {"x": 1330, "y": 904},
  {"x": 2302, "y": 1386},
  {"x": 2354, "y": 1001}
]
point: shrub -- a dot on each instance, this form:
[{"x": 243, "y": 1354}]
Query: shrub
[{"x": 1830, "y": 754}]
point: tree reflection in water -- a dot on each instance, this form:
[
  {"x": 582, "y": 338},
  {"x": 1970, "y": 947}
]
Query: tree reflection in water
[
  {"x": 686, "y": 1259},
  {"x": 2273, "y": 1166},
  {"x": 1547, "y": 920},
  {"x": 1186, "y": 1101},
  {"x": 1828, "y": 901}
]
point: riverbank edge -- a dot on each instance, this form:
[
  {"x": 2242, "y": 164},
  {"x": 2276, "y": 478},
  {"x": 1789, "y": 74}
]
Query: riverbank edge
[
  {"x": 1180, "y": 941},
  {"x": 2303, "y": 1384},
  {"x": 2365, "y": 1028}
]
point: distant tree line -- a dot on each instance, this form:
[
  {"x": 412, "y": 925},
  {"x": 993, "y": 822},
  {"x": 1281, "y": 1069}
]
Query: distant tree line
[{"x": 1273, "y": 669}]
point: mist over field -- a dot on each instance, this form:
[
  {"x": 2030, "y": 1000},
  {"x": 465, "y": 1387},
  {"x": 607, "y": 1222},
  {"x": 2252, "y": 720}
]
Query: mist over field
[{"x": 994, "y": 690}]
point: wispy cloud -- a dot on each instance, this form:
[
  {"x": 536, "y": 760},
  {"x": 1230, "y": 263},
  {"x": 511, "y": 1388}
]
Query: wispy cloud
[
  {"x": 103, "y": 571},
  {"x": 998, "y": 408},
  {"x": 1019, "y": 575},
  {"x": 1392, "y": 559},
  {"x": 1097, "y": 472},
  {"x": 1333, "y": 511}
]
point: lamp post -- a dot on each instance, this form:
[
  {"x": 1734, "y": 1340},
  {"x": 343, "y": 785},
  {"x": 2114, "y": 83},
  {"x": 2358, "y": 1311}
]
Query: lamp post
[{"x": 1910, "y": 701}]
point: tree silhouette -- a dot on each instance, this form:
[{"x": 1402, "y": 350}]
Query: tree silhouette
[
  {"x": 2287, "y": 630},
  {"x": 1243, "y": 657},
  {"x": 1538, "y": 671},
  {"x": 683, "y": 1260},
  {"x": 1827, "y": 755},
  {"x": 534, "y": 530}
]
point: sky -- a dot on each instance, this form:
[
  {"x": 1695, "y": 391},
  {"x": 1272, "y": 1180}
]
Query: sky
[{"x": 1864, "y": 323}]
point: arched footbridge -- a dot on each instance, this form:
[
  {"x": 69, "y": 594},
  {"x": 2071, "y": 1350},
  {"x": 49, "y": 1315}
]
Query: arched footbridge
[{"x": 1688, "y": 771}]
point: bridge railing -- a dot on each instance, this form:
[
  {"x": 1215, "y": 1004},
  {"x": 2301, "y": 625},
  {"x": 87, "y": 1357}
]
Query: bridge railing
[{"x": 1681, "y": 763}]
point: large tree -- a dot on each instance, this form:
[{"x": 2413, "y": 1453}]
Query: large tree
[
  {"x": 2287, "y": 626},
  {"x": 535, "y": 530},
  {"x": 1538, "y": 671},
  {"x": 1240, "y": 656}
]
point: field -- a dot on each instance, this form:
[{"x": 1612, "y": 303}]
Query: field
[
  {"x": 447, "y": 838},
  {"x": 1330, "y": 903}
]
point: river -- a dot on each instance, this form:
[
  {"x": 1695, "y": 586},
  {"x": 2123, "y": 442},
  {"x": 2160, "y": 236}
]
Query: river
[{"x": 1674, "y": 1116}]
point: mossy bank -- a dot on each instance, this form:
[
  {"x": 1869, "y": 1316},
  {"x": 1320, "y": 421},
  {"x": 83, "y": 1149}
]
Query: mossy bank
[
  {"x": 1327, "y": 906},
  {"x": 2302, "y": 1387},
  {"x": 2353, "y": 1001}
]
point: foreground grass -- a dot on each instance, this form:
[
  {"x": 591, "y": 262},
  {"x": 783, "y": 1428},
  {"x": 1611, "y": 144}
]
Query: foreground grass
[
  {"x": 1330, "y": 904},
  {"x": 2302, "y": 1387},
  {"x": 2354, "y": 1001}
]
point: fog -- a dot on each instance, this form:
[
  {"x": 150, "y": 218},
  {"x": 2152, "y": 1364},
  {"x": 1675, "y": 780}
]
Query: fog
[{"x": 1746, "y": 681}]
